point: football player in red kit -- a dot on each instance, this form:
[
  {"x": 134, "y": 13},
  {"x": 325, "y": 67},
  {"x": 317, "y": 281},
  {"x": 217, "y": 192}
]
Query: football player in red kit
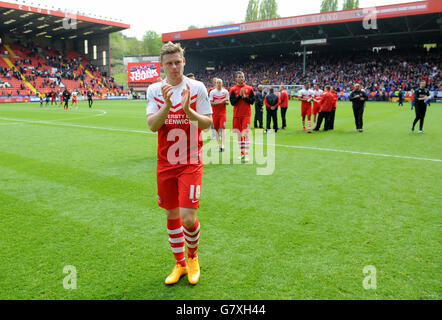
[
  {"x": 178, "y": 108},
  {"x": 219, "y": 98},
  {"x": 242, "y": 97},
  {"x": 317, "y": 93},
  {"x": 306, "y": 96}
]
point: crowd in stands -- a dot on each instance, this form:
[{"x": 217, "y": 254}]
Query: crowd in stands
[
  {"x": 46, "y": 69},
  {"x": 379, "y": 72},
  {"x": 6, "y": 73}
]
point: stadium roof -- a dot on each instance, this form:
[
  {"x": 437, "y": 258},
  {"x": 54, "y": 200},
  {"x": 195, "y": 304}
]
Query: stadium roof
[
  {"x": 23, "y": 20},
  {"x": 402, "y": 23}
]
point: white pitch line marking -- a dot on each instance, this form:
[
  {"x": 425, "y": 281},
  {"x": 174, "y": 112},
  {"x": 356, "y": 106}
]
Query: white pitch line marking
[
  {"x": 11, "y": 124},
  {"x": 358, "y": 152}
]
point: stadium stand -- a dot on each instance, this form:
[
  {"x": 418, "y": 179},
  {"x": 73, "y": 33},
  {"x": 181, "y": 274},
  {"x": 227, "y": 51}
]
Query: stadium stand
[
  {"x": 384, "y": 71},
  {"x": 32, "y": 68},
  {"x": 44, "y": 50}
]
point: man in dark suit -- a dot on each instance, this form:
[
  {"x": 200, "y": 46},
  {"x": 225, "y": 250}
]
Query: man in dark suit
[
  {"x": 271, "y": 101},
  {"x": 66, "y": 97},
  {"x": 90, "y": 98},
  {"x": 259, "y": 103},
  {"x": 421, "y": 99},
  {"x": 401, "y": 98},
  {"x": 358, "y": 98}
]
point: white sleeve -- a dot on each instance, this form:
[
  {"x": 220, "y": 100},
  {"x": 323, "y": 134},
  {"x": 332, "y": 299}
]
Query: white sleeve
[
  {"x": 211, "y": 96},
  {"x": 152, "y": 106},
  {"x": 202, "y": 102},
  {"x": 227, "y": 95}
]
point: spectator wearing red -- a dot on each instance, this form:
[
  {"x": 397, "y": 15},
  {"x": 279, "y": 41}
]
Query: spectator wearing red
[
  {"x": 326, "y": 107},
  {"x": 335, "y": 105},
  {"x": 284, "y": 104}
]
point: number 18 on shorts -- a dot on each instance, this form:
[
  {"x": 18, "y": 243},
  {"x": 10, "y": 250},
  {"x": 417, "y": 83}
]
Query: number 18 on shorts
[{"x": 180, "y": 187}]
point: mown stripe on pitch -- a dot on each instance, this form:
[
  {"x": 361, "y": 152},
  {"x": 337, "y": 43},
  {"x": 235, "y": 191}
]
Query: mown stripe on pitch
[{"x": 276, "y": 145}]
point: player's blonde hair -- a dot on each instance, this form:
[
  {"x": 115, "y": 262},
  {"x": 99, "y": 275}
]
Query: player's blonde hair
[{"x": 171, "y": 48}]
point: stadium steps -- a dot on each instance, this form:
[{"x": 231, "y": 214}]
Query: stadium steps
[
  {"x": 79, "y": 80},
  {"x": 17, "y": 53},
  {"x": 11, "y": 65},
  {"x": 10, "y": 51},
  {"x": 87, "y": 71}
]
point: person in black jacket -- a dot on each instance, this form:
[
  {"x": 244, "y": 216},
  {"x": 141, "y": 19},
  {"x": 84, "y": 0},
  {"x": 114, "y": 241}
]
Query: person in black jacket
[
  {"x": 401, "y": 98},
  {"x": 48, "y": 98},
  {"x": 259, "y": 103},
  {"x": 271, "y": 101},
  {"x": 421, "y": 98},
  {"x": 90, "y": 98},
  {"x": 66, "y": 97},
  {"x": 358, "y": 98}
]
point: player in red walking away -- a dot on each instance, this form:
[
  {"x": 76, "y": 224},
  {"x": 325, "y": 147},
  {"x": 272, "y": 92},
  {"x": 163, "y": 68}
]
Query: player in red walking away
[
  {"x": 53, "y": 98},
  {"x": 317, "y": 93},
  {"x": 178, "y": 108},
  {"x": 306, "y": 96},
  {"x": 219, "y": 98},
  {"x": 242, "y": 97},
  {"x": 74, "y": 98}
]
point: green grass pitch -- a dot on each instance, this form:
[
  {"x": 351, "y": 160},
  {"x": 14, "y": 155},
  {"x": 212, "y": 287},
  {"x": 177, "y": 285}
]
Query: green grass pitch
[{"x": 79, "y": 188}]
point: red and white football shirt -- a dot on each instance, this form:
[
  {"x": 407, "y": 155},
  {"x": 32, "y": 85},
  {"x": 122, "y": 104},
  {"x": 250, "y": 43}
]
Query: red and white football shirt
[
  {"x": 216, "y": 96},
  {"x": 317, "y": 96},
  {"x": 178, "y": 140},
  {"x": 307, "y": 95},
  {"x": 219, "y": 110}
]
